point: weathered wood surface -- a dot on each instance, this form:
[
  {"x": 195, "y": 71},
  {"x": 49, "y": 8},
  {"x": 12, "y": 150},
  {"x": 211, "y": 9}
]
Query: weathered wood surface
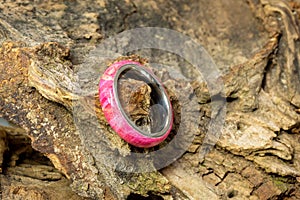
[{"x": 254, "y": 43}]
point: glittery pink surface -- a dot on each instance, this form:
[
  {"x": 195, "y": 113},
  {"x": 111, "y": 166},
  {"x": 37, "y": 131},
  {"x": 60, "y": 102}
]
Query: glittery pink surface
[{"x": 114, "y": 115}]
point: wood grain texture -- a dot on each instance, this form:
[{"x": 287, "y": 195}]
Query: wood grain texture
[{"x": 255, "y": 44}]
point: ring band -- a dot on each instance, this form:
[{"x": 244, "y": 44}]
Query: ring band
[{"x": 160, "y": 115}]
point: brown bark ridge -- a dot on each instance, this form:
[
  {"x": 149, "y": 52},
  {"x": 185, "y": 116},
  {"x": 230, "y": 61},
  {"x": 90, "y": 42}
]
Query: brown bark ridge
[{"x": 255, "y": 43}]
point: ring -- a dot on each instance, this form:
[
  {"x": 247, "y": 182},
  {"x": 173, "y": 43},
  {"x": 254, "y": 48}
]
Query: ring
[{"x": 135, "y": 104}]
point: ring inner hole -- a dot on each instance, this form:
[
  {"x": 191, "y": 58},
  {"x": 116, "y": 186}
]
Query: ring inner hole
[{"x": 142, "y": 100}]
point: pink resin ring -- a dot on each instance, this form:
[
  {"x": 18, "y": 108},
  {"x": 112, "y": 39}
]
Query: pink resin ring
[{"x": 160, "y": 118}]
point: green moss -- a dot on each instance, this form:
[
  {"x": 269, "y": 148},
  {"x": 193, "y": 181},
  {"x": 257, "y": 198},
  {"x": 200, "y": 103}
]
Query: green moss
[
  {"x": 281, "y": 184},
  {"x": 154, "y": 182}
]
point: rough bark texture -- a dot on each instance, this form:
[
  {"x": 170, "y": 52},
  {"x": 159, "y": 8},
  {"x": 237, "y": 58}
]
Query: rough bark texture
[
  {"x": 256, "y": 45},
  {"x": 135, "y": 99}
]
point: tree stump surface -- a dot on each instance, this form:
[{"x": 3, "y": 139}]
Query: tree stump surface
[{"x": 45, "y": 155}]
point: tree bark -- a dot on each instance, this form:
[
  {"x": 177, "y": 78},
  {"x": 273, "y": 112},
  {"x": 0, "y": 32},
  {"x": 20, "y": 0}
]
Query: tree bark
[{"x": 254, "y": 43}]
